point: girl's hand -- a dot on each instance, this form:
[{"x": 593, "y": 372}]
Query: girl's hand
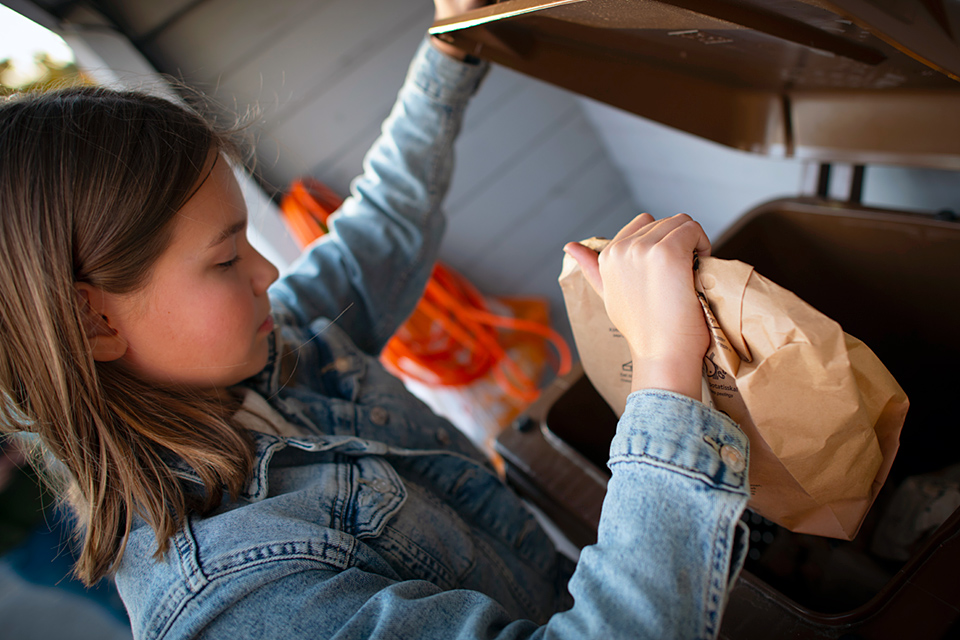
[
  {"x": 444, "y": 9},
  {"x": 448, "y": 8},
  {"x": 645, "y": 277}
]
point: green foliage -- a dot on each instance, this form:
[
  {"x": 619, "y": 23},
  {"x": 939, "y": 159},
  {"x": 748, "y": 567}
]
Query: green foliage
[{"x": 55, "y": 75}]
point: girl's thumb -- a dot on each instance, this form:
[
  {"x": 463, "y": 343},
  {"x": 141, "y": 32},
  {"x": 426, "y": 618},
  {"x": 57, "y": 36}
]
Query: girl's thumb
[{"x": 589, "y": 262}]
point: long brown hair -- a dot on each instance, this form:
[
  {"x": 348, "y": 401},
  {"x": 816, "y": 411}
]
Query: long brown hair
[{"x": 90, "y": 180}]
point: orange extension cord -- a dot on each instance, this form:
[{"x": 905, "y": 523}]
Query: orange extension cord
[{"x": 451, "y": 338}]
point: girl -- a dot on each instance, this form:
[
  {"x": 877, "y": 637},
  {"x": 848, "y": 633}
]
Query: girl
[{"x": 236, "y": 455}]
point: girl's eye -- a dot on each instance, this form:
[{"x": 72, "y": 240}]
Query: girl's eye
[{"x": 229, "y": 263}]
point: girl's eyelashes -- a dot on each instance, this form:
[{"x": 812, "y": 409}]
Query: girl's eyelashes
[{"x": 229, "y": 263}]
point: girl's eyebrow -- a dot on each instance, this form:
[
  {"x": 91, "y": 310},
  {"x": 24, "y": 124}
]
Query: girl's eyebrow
[{"x": 235, "y": 228}]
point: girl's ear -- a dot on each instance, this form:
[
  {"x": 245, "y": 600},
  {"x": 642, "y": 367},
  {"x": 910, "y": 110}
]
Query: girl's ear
[{"x": 105, "y": 341}]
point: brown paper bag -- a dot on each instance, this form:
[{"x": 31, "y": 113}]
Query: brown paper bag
[{"x": 822, "y": 413}]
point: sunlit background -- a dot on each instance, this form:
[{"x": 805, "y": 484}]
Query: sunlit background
[{"x": 32, "y": 57}]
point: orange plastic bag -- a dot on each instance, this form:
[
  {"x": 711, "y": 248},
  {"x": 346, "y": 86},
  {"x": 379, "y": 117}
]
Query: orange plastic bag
[{"x": 481, "y": 409}]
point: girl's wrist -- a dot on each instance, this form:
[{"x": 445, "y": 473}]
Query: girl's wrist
[
  {"x": 452, "y": 51},
  {"x": 679, "y": 375}
]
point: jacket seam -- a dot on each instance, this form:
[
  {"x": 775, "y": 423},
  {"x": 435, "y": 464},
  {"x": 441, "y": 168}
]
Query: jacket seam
[
  {"x": 198, "y": 595},
  {"x": 697, "y": 474}
]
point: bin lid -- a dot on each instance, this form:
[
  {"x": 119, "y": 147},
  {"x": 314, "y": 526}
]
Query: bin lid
[{"x": 863, "y": 81}]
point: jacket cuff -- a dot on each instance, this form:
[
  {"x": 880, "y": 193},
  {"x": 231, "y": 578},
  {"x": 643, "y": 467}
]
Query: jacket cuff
[
  {"x": 671, "y": 430},
  {"x": 443, "y": 79}
]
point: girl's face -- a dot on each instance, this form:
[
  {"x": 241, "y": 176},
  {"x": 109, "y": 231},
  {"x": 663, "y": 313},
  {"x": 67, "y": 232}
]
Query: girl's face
[{"x": 203, "y": 318}]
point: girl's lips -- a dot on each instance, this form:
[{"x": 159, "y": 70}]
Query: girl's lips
[{"x": 267, "y": 325}]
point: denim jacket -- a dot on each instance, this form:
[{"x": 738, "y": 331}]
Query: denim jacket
[{"x": 381, "y": 520}]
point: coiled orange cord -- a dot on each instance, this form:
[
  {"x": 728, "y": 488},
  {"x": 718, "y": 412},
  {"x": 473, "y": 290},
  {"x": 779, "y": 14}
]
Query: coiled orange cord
[
  {"x": 451, "y": 340},
  {"x": 306, "y": 207}
]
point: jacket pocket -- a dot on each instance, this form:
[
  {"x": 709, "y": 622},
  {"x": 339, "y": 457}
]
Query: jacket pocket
[{"x": 376, "y": 495}]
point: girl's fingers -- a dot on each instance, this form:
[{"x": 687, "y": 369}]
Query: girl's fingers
[
  {"x": 690, "y": 234},
  {"x": 680, "y": 231},
  {"x": 660, "y": 229},
  {"x": 588, "y": 259},
  {"x": 444, "y": 9},
  {"x": 633, "y": 226}
]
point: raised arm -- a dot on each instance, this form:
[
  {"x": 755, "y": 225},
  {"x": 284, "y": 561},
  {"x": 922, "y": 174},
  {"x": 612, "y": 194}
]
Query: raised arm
[{"x": 383, "y": 241}]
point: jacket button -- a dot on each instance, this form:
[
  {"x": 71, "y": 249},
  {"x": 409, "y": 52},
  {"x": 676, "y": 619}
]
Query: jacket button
[
  {"x": 379, "y": 416},
  {"x": 342, "y": 364},
  {"x": 443, "y": 437},
  {"x": 380, "y": 485},
  {"x": 733, "y": 458}
]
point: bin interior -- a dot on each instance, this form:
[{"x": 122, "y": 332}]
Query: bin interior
[{"x": 892, "y": 280}]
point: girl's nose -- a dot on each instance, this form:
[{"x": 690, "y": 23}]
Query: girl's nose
[{"x": 264, "y": 273}]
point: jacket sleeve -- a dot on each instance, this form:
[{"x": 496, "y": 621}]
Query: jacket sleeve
[
  {"x": 374, "y": 263},
  {"x": 670, "y": 547}
]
